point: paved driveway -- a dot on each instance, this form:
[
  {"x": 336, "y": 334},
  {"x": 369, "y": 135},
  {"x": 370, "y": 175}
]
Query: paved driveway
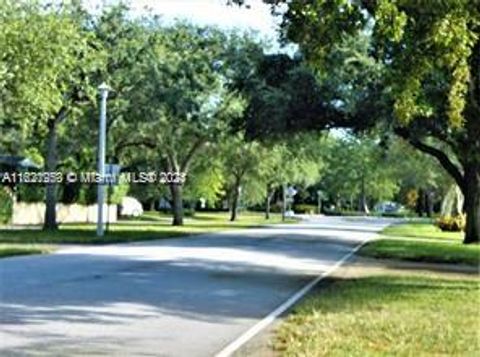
[{"x": 175, "y": 297}]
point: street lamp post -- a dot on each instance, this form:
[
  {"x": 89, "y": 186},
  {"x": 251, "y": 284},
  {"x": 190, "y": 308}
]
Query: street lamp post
[{"x": 103, "y": 88}]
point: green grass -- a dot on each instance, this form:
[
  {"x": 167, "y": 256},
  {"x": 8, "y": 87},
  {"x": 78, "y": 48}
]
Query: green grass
[
  {"x": 152, "y": 225},
  {"x": 421, "y": 230},
  {"x": 422, "y": 242},
  {"x": 397, "y": 313},
  {"x": 423, "y": 251},
  {"x": 9, "y": 250},
  {"x": 384, "y": 316}
]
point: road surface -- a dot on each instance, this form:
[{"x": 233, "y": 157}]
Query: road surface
[{"x": 176, "y": 297}]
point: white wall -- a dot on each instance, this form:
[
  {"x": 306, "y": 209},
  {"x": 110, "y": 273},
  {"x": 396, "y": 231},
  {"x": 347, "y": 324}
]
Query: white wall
[{"x": 33, "y": 213}]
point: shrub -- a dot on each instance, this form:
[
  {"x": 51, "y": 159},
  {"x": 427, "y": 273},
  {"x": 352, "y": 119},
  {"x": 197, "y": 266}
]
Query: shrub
[
  {"x": 305, "y": 209},
  {"x": 88, "y": 195},
  {"x": 189, "y": 212},
  {"x": 6, "y": 205},
  {"x": 411, "y": 198},
  {"x": 399, "y": 214},
  {"x": 452, "y": 223},
  {"x": 344, "y": 213},
  {"x": 118, "y": 192},
  {"x": 30, "y": 193},
  {"x": 274, "y": 208}
]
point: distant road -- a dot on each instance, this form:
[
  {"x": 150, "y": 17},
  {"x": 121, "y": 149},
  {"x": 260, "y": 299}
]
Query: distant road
[{"x": 177, "y": 297}]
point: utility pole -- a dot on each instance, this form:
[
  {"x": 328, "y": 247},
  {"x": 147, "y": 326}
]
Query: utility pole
[{"x": 103, "y": 88}]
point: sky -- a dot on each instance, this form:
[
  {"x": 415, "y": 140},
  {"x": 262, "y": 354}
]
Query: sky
[{"x": 207, "y": 12}]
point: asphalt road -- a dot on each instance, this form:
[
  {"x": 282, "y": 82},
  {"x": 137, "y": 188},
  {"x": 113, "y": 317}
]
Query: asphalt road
[{"x": 176, "y": 297}]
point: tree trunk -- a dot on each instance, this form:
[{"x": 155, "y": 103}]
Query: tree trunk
[
  {"x": 234, "y": 208},
  {"x": 284, "y": 201},
  {"x": 50, "y": 222},
  {"x": 364, "y": 205},
  {"x": 177, "y": 204},
  {"x": 420, "y": 203},
  {"x": 268, "y": 201},
  {"x": 319, "y": 206},
  {"x": 338, "y": 204},
  {"x": 429, "y": 203},
  {"x": 471, "y": 191},
  {"x": 362, "y": 202}
]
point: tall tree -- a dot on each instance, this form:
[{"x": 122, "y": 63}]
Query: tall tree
[
  {"x": 356, "y": 169},
  {"x": 182, "y": 99},
  {"x": 59, "y": 86},
  {"x": 244, "y": 167},
  {"x": 297, "y": 160}
]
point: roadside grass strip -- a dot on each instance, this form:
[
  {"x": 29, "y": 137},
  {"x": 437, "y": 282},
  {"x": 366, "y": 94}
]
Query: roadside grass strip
[
  {"x": 386, "y": 315},
  {"x": 422, "y": 251},
  {"x": 150, "y": 226},
  {"x": 9, "y": 250}
]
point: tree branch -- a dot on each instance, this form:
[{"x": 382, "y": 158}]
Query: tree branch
[
  {"x": 61, "y": 115},
  {"x": 121, "y": 146},
  {"x": 193, "y": 150},
  {"x": 441, "y": 157}
]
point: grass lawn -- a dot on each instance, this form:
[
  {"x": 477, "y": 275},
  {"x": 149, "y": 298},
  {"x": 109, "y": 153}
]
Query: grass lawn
[
  {"x": 393, "y": 311},
  {"x": 432, "y": 252},
  {"x": 386, "y": 315},
  {"x": 422, "y": 242},
  {"x": 9, "y": 250},
  {"x": 421, "y": 230},
  {"x": 152, "y": 225}
]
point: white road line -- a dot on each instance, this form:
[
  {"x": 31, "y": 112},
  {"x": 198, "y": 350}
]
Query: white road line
[{"x": 267, "y": 320}]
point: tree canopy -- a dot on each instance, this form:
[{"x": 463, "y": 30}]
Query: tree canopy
[{"x": 416, "y": 75}]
